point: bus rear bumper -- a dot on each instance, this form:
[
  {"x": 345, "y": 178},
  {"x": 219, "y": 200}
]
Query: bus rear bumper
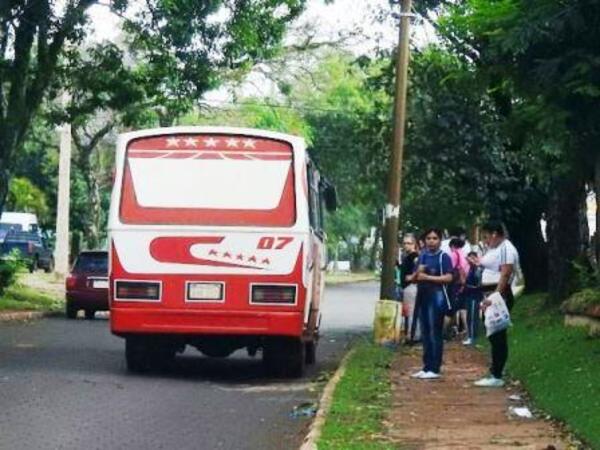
[{"x": 128, "y": 321}]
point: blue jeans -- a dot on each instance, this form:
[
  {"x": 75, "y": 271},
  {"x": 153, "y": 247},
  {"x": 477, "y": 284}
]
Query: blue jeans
[
  {"x": 432, "y": 309},
  {"x": 472, "y": 303}
]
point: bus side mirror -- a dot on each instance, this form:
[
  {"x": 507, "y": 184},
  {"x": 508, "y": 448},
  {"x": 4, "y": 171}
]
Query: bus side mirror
[{"x": 330, "y": 197}]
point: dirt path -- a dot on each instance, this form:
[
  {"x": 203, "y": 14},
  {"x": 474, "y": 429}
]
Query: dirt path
[{"x": 451, "y": 413}]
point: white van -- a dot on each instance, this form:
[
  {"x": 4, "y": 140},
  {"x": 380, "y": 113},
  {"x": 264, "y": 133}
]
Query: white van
[{"x": 20, "y": 221}]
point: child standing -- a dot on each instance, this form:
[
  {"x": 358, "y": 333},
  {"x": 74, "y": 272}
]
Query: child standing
[{"x": 472, "y": 295}]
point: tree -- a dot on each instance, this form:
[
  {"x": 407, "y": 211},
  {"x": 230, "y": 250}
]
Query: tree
[
  {"x": 540, "y": 59},
  {"x": 24, "y": 196},
  {"x": 182, "y": 43}
]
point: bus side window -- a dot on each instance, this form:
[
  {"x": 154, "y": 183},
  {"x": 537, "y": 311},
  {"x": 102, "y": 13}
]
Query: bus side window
[{"x": 314, "y": 201}]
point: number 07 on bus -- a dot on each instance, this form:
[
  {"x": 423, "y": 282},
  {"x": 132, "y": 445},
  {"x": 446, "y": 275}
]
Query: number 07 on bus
[{"x": 217, "y": 242}]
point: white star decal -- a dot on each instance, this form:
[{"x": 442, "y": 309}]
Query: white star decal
[
  {"x": 232, "y": 143},
  {"x": 249, "y": 143},
  {"x": 211, "y": 142},
  {"x": 172, "y": 142},
  {"x": 191, "y": 142}
]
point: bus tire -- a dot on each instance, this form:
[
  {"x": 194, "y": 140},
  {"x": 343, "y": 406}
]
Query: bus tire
[
  {"x": 90, "y": 314},
  {"x": 285, "y": 357},
  {"x": 310, "y": 352},
  {"x": 137, "y": 355}
]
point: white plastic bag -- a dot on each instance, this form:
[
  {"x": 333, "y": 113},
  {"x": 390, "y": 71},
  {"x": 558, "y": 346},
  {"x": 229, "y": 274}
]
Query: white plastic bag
[{"x": 497, "y": 317}]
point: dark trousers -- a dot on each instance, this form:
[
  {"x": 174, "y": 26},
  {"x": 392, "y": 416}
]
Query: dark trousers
[
  {"x": 499, "y": 341},
  {"x": 472, "y": 302},
  {"x": 415, "y": 318},
  {"x": 431, "y": 314}
]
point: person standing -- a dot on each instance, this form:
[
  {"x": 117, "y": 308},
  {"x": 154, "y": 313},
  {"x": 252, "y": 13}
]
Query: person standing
[
  {"x": 410, "y": 250},
  {"x": 457, "y": 317},
  {"x": 433, "y": 273},
  {"x": 472, "y": 295},
  {"x": 501, "y": 258},
  {"x": 457, "y": 233}
]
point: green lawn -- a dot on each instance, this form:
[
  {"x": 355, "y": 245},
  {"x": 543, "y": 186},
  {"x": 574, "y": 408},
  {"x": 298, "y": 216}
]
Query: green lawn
[
  {"x": 23, "y": 298},
  {"x": 352, "y": 277},
  {"x": 560, "y": 367},
  {"x": 360, "y": 401}
]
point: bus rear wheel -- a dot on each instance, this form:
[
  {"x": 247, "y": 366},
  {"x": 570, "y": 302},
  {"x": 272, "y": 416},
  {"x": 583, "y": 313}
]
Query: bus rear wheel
[
  {"x": 310, "y": 352},
  {"x": 285, "y": 357},
  {"x": 146, "y": 354},
  {"x": 137, "y": 355}
]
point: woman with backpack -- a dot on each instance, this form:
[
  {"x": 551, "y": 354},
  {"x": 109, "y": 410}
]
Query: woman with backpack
[
  {"x": 472, "y": 296},
  {"x": 434, "y": 272},
  {"x": 460, "y": 268}
]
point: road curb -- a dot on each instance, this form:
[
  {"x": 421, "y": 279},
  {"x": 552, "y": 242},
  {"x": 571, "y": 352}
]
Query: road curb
[
  {"x": 23, "y": 316},
  {"x": 310, "y": 441}
]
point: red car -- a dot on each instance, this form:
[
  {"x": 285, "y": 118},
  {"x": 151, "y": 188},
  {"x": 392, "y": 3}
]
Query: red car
[{"x": 87, "y": 284}]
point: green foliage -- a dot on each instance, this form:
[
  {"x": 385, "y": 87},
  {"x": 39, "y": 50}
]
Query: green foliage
[
  {"x": 176, "y": 50},
  {"x": 559, "y": 366},
  {"x": 23, "y": 298},
  {"x": 24, "y": 196},
  {"x": 582, "y": 301},
  {"x": 360, "y": 401},
  {"x": 347, "y": 229},
  {"x": 9, "y": 269},
  {"x": 455, "y": 150},
  {"x": 253, "y": 113}
]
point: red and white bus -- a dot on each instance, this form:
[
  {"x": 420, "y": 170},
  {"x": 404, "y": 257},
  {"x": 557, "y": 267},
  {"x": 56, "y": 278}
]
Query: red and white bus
[{"x": 217, "y": 241}]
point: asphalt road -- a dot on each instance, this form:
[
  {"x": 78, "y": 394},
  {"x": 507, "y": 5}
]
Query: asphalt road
[{"x": 64, "y": 385}]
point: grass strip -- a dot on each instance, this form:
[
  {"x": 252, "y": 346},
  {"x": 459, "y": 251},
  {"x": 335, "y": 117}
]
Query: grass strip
[
  {"x": 558, "y": 365},
  {"x": 361, "y": 399},
  {"x": 23, "y": 298},
  {"x": 352, "y": 277}
]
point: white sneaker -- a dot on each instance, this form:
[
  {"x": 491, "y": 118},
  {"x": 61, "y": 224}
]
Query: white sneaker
[
  {"x": 467, "y": 341},
  {"x": 490, "y": 382},
  {"x": 418, "y": 374},
  {"x": 429, "y": 376}
]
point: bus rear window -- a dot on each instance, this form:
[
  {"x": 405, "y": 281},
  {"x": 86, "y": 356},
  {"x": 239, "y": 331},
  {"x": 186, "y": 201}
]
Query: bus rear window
[{"x": 218, "y": 180}]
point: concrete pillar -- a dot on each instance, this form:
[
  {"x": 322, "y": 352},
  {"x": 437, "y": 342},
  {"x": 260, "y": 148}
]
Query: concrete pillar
[{"x": 61, "y": 252}]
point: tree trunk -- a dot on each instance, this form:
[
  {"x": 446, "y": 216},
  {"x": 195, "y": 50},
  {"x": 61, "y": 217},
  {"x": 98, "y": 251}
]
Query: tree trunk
[
  {"x": 93, "y": 232},
  {"x": 4, "y": 184},
  {"x": 526, "y": 233},
  {"x": 358, "y": 252},
  {"x": 596, "y": 239},
  {"x": 374, "y": 253},
  {"x": 564, "y": 234}
]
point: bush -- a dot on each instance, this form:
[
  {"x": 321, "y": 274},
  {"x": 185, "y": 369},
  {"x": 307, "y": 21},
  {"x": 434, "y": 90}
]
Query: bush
[
  {"x": 582, "y": 301},
  {"x": 9, "y": 268}
]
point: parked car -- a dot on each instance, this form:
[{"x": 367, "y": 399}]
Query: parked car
[
  {"x": 87, "y": 284},
  {"x": 31, "y": 247}
]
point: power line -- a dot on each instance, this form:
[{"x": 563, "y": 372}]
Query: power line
[{"x": 276, "y": 105}]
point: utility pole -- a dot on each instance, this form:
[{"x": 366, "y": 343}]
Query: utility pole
[
  {"x": 61, "y": 252},
  {"x": 392, "y": 208}
]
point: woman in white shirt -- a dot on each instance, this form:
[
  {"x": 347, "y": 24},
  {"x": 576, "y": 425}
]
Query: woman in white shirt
[{"x": 501, "y": 258}]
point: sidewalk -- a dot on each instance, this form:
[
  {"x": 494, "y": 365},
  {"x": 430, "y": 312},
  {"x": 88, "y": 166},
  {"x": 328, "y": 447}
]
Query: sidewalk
[{"x": 451, "y": 413}]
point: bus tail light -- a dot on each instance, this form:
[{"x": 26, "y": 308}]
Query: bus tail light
[
  {"x": 137, "y": 290},
  {"x": 273, "y": 294}
]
